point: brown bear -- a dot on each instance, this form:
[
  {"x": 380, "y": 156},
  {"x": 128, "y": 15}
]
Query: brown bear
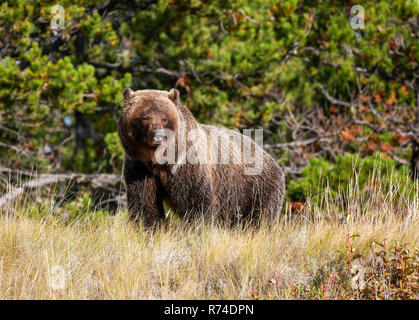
[{"x": 197, "y": 170}]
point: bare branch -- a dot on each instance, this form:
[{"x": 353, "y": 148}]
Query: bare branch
[
  {"x": 294, "y": 144},
  {"x": 331, "y": 99}
]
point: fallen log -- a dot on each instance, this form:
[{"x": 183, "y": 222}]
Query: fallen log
[{"x": 103, "y": 180}]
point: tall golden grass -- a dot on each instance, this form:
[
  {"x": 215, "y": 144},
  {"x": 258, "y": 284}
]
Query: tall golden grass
[{"x": 307, "y": 254}]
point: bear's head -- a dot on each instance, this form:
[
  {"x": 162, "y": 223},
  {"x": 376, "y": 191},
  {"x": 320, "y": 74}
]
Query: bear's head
[{"x": 147, "y": 114}]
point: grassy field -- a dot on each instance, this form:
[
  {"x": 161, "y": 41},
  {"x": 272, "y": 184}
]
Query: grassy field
[{"x": 369, "y": 250}]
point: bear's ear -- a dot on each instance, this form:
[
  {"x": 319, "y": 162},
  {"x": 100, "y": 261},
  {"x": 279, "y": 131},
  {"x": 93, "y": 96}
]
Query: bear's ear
[
  {"x": 174, "y": 95},
  {"x": 127, "y": 93}
]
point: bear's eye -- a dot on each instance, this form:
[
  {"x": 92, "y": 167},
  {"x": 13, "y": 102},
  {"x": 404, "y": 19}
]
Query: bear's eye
[
  {"x": 164, "y": 120},
  {"x": 144, "y": 118}
]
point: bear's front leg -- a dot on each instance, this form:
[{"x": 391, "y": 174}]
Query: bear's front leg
[{"x": 143, "y": 194}]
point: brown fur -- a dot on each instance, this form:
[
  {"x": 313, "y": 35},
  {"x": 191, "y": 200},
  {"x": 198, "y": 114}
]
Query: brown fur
[{"x": 214, "y": 191}]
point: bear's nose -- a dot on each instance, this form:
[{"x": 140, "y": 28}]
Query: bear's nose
[{"x": 158, "y": 136}]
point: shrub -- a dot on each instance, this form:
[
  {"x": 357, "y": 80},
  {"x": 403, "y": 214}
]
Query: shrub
[{"x": 322, "y": 176}]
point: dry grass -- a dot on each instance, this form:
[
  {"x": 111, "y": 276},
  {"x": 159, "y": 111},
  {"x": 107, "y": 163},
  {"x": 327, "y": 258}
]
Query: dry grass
[{"x": 305, "y": 255}]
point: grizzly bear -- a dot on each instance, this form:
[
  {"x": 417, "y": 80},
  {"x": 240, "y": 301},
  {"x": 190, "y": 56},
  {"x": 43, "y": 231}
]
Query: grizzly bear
[{"x": 196, "y": 170}]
